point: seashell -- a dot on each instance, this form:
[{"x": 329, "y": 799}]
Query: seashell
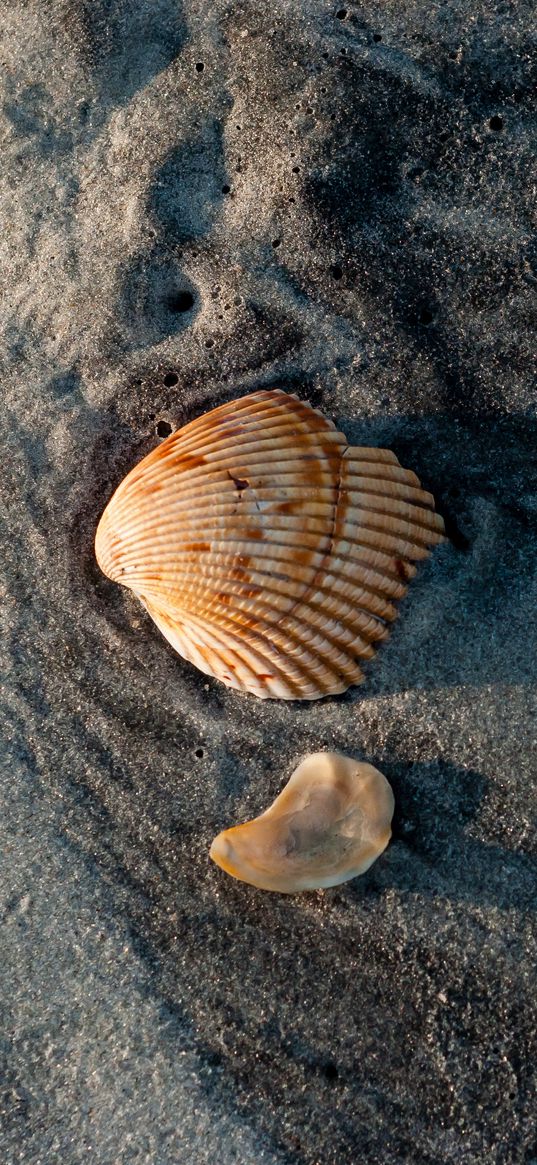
[
  {"x": 268, "y": 551},
  {"x": 329, "y": 824}
]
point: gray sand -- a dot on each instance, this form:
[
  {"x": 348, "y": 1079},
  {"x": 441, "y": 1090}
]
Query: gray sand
[{"x": 348, "y": 201}]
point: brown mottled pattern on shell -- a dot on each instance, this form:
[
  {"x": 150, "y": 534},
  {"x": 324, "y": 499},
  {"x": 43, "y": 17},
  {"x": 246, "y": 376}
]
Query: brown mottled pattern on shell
[{"x": 268, "y": 551}]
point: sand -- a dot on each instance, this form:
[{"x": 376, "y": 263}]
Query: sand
[{"x": 199, "y": 200}]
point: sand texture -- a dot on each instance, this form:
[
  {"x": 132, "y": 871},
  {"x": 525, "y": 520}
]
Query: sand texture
[{"x": 198, "y": 200}]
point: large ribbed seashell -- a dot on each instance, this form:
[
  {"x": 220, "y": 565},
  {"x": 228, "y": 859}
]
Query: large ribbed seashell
[
  {"x": 268, "y": 551},
  {"x": 329, "y": 824}
]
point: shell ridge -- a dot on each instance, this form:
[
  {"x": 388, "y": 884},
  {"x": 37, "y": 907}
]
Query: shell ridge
[
  {"x": 333, "y": 585},
  {"x": 175, "y": 633},
  {"x": 208, "y": 469},
  {"x": 388, "y": 580},
  {"x": 417, "y": 515},
  {"x": 385, "y": 490},
  {"x": 410, "y": 532},
  {"x": 344, "y": 608},
  {"x": 204, "y": 637},
  {"x": 394, "y": 547},
  {"x": 309, "y": 589},
  {"x": 215, "y": 474},
  {"x": 265, "y": 650},
  {"x": 383, "y": 472},
  {"x": 343, "y": 567},
  {"x": 304, "y": 661},
  {"x": 279, "y": 552},
  {"x": 337, "y": 635},
  {"x": 170, "y": 516},
  {"x": 329, "y": 587},
  {"x": 396, "y": 509},
  {"x": 397, "y": 487},
  {"x": 250, "y": 545},
  {"x": 192, "y": 434}
]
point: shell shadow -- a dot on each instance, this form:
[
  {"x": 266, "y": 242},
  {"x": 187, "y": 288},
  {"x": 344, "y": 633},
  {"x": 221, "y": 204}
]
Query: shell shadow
[
  {"x": 482, "y": 585},
  {"x": 433, "y": 853}
]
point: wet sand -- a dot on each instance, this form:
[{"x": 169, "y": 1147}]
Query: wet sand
[{"x": 198, "y": 201}]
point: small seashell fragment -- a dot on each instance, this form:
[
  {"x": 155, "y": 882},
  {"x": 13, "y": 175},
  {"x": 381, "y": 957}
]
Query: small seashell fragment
[
  {"x": 269, "y": 551},
  {"x": 329, "y": 824}
]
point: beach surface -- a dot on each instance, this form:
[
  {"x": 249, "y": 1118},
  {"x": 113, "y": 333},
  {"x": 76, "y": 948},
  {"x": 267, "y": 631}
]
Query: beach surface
[{"x": 196, "y": 201}]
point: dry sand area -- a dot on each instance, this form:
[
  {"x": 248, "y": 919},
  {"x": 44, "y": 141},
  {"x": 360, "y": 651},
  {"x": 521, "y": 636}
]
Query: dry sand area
[{"x": 198, "y": 200}]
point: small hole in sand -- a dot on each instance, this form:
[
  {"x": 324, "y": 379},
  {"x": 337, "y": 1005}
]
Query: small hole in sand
[
  {"x": 209, "y": 343},
  {"x": 330, "y": 1071},
  {"x": 200, "y": 67},
  {"x": 180, "y": 301},
  {"x": 200, "y": 752},
  {"x": 171, "y": 379},
  {"x": 337, "y": 271},
  {"x": 226, "y": 189},
  {"x": 425, "y": 316},
  {"x": 496, "y": 123},
  {"x": 341, "y": 13},
  {"x": 296, "y": 169},
  {"x": 377, "y": 36},
  {"x": 276, "y": 242},
  {"x": 163, "y": 428}
]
